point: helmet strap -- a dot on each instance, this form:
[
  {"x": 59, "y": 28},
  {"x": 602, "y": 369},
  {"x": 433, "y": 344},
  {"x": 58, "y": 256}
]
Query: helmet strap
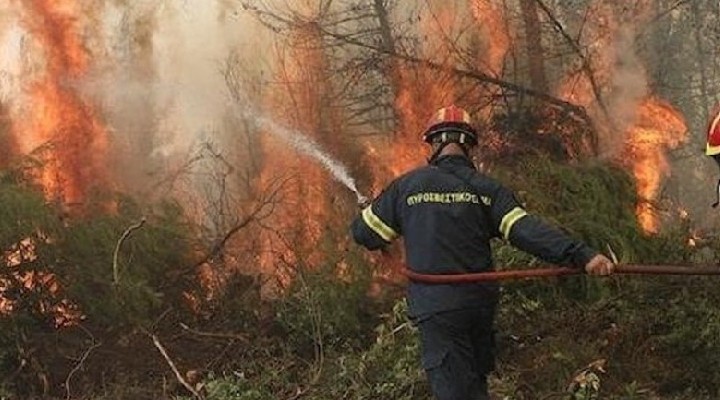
[{"x": 436, "y": 153}]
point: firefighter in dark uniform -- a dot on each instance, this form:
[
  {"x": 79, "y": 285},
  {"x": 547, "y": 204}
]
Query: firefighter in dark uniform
[
  {"x": 447, "y": 213},
  {"x": 712, "y": 147}
]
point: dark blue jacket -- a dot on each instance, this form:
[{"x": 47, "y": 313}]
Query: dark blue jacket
[{"x": 447, "y": 212}]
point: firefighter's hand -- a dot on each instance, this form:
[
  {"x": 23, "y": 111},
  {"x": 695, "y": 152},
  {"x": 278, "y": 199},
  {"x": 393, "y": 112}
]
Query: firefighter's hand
[
  {"x": 600, "y": 265},
  {"x": 363, "y": 202}
]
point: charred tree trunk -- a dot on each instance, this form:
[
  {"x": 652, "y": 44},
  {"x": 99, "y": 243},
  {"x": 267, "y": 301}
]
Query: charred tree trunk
[
  {"x": 701, "y": 62},
  {"x": 388, "y": 41},
  {"x": 387, "y": 45},
  {"x": 534, "y": 46},
  {"x": 7, "y": 144}
]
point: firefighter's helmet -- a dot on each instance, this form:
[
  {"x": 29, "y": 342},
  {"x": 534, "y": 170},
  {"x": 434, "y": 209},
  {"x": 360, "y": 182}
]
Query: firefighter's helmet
[
  {"x": 713, "y": 133},
  {"x": 450, "y": 124}
]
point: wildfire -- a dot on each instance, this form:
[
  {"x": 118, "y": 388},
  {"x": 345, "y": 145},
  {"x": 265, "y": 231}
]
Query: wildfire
[
  {"x": 635, "y": 127},
  {"x": 420, "y": 90},
  {"x": 659, "y": 128},
  {"x": 494, "y": 34},
  {"x": 300, "y": 103},
  {"x": 59, "y": 126},
  {"x": 19, "y": 282}
]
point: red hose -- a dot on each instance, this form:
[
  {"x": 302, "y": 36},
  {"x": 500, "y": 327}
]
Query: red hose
[{"x": 633, "y": 269}]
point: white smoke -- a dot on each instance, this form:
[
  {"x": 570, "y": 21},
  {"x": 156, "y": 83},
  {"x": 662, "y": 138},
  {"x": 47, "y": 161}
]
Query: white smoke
[
  {"x": 627, "y": 89},
  {"x": 190, "y": 44},
  {"x": 157, "y": 79}
]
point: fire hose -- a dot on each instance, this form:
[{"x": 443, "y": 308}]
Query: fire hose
[
  {"x": 515, "y": 273},
  {"x": 625, "y": 269}
]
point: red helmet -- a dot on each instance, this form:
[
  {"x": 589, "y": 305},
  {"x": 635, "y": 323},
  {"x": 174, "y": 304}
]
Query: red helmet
[
  {"x": 713, "y": 133},
  {"x": 450, "y": 124}
]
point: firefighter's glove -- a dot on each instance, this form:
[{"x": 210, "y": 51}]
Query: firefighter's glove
[
  {"x": 363, "y": 202},
  {"x": 600, "y": 265}
]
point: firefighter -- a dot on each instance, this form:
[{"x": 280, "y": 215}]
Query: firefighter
[
  {"x": 447, "y": 213},
  {"x": 712, "y": 147}
]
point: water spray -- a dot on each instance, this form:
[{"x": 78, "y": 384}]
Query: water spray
[
  {"x": 308, "y": 147},
  {"x": 305, "y": 145}
]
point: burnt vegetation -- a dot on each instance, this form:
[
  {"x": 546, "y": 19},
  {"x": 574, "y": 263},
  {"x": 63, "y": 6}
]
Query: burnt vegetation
[{"x": 232, "y": 277}]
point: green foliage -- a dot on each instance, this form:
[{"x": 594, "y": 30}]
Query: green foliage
[
  {"x": 22, "y": 214},
  {"x": 85, "y": 254},
  {"x": 234, "y": 387},
  {"x": 593, "y": 201},
  {"x": 70, "y": 261},
  {"x": 321, "y": 309},
  {"x": 326, "y": 339},
  {"x": 681, "y": 317},
  {"x": 390, "y": 367}
]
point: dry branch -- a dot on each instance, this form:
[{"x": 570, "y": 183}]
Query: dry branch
[
  {"x": 232, "y": 336},
  {"x": 586, "y": 67},
  {"x": 262, "y": 209},
  {"x": 93, "y": 345},
  {"x": 177, "y": 373},
  {"x": 125, "y": 235},
  {"x": 479, "y": 76}
]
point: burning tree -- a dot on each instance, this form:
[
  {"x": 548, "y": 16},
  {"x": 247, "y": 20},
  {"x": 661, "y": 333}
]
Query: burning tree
[
  {"x": 60, "y": 125},
  {"x": 635, "y": 127}
]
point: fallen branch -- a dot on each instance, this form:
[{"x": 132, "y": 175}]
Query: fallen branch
[
  {"x": 234, "y": 336},
  {"x": 178, "y": 375}
]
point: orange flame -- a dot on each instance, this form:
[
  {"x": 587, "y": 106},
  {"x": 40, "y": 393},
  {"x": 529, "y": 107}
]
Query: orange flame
[
  {"x": 494, "y": 35},
  {"x": 659, "y": 127},
  {"x": 635, "y": 127},
  {"x": 61, "y": 310},
  {"x": 300, "y": 102},
  {"x": 59, "y": 118},
  {"x": 420, "y": 90}
]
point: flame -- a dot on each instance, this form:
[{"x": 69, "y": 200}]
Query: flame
[
  {"x": 300, "y": 102},
  {"x": 659, "y": 127},
  {"x": 420, "y": 90},
  {"x": 494, "y": 34},
  {"x": 58, "y": 120},
  {"x": 634, "y": 127},
  {"x": 63, "y": 312}
]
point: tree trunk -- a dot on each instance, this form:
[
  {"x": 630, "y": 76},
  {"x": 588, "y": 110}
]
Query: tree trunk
[
  {"x": 387, "y": 45},
  {"x": 534, "y": 46},
  {"x": 701, "y": 62}
]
